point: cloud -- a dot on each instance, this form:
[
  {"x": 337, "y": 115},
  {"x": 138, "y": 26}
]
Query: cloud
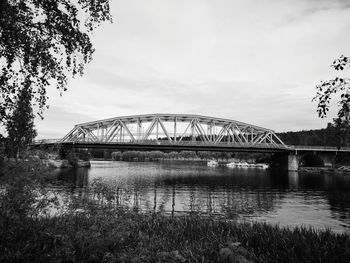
[
  {"x": 58, "y": 122},
  {"x": 250, "y": 60}
]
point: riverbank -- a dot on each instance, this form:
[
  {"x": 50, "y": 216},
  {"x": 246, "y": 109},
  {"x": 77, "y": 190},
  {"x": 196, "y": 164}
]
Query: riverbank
[
  {"x": 42, "y": 164},
  {"x": 66, "y": 163},
  {"x": 96, "y": 230},
  {"x": 329, "y": 170},
  {"x": 112, "y": 235}
]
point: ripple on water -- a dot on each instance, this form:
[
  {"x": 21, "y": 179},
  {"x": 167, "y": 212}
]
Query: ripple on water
[{"x": 287, "y": 199}]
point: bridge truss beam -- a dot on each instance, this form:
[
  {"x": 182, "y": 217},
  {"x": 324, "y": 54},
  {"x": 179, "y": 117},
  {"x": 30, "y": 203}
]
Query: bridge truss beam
[{"x": 172, "y": 129}]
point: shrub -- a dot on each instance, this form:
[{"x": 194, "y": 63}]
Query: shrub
[
  {"x": 72, "y": 158},
  {"x": 116, "y": 156},
  {"x": 84, "y": 155}
]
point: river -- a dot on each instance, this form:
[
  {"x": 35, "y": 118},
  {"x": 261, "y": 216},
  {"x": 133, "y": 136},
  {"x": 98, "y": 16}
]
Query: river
[{"x": 246, "y": 194}]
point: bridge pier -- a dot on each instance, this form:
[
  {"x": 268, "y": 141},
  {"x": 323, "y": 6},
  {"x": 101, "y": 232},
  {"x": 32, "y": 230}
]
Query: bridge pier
[
  {"x": 291, "y": 160},
  {"x": 287, "y": 161}
]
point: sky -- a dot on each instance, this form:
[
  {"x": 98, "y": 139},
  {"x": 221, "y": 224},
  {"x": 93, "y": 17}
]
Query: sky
[{"x": 255, "y": 61}]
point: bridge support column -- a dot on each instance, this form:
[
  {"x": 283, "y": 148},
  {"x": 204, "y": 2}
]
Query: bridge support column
[
  {"x": 286, "y": 161},
  {"x": 293, "y": 162},
  {"x": 290, "y": 161}
]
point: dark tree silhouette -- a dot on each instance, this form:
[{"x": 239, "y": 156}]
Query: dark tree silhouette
[
  {"x": 325, "y": 91},
  {"x": 328, "y": 136},
  {"x": 20, "y": 125},
  {"x": 44, "y": 42}
]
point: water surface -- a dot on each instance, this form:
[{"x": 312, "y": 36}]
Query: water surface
[{"x": 284, "y": 198}]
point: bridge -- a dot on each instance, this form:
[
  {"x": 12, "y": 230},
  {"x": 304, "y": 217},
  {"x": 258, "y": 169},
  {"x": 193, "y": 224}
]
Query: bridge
[
  {"x": 173, "y": 129},
  {"x": 179, "y": 132}
]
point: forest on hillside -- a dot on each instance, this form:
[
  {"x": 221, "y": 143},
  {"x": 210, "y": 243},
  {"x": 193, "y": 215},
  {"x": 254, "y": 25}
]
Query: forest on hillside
[{"x": 329, "y": 136}]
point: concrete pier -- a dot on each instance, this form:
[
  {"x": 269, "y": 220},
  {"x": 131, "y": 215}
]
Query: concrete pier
[{"x": 292, "y": 160}]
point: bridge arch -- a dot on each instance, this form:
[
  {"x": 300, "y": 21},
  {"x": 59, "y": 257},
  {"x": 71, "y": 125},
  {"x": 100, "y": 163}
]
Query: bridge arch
[
  {"x": 308, "y": 158},
  {"x": 174, "y": 129},
  {"x": 311, "y": 160}
]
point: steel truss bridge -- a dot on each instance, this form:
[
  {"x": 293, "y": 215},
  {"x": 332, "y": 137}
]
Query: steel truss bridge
[{"x": 172, "y": 131}]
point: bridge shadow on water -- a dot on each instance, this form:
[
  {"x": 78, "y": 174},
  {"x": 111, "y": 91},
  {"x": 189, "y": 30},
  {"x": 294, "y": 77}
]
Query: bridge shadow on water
[{"x": 274, "y": 195}]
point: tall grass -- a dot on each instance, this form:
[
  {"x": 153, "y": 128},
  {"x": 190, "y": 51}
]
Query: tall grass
[
  {"x": 106, "y": 234},
  {"x": 96, "y": 231}
]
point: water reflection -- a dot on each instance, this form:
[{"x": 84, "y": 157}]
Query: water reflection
[{"x": 320, "y": 200}]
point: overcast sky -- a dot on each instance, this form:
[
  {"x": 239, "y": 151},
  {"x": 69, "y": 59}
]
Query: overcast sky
[{"x": 255, "y": 61}]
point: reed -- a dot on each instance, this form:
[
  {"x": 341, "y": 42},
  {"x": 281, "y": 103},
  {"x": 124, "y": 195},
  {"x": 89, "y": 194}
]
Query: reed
[{"x": 105, "y": 232}]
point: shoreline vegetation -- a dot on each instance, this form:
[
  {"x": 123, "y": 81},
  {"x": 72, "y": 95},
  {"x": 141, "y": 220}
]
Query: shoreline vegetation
[
  {"x": 187, "y": 155},
  {"x": 99, "y": 231},
  {"x": 110, "y": 235},
  {"x": 222, "y": 158},
  {"x": 82, "y": 158}
]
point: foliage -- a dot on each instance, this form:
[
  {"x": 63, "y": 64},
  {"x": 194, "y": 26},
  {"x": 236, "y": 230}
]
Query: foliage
[
  {"x": 173, "y": 155},
  {"x": 23, "y": 189},
  {"x": 101, "y": 153},
  {"x": 325, "y": 91},
  {"x": 328, "y": 136},
  {"x": 116, "y": 156},
  {"x": 187, "y": 155},
  {"x": 72, "y": 155},
  {"x": 204, "y": 155},
  {"x": 20, "y": 125},
  {"x": 107, "y": 154},
  {"x": 84, "y": 155},
  {"x": 342, "y": 125},
  {"x": 138, "y": 155},
  {"x": 21, "y": 198},
  {"x": 42, "y": 43},
  {"x": 113, "y": 235},
  {"x": 72, "y": 158}
]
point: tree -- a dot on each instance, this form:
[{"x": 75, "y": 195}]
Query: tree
[
  {"x": 43, "y": 42},
  {"x": 342, "y": 126},
  {"x": 325, "y": 91},
  {"x": 20, "y": 125},
  {"x": 203, "y": 155}
]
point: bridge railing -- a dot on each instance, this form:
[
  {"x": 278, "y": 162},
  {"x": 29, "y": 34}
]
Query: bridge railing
[
  {"x": 203, "y": 143},
  {"x": 319, "y": 148},
  {"x": 46, "y": 141},
  {"x": 170, "y": 143}
]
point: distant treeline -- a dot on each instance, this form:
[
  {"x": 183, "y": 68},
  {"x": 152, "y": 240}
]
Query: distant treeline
[
  {"x": 322, "y": 137},
  {"x": 157, "y": 155},
  {"x": 182, "y": 155}
]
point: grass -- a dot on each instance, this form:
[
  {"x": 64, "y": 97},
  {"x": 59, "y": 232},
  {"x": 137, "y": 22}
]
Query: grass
[
  {"x": 117, "y": 235},
  {"x": 106, "y": 233}
]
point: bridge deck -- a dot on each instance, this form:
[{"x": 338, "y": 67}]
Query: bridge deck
[
  {"x": 300, "y": 148},
  {"x": 192, "y": 145}
]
